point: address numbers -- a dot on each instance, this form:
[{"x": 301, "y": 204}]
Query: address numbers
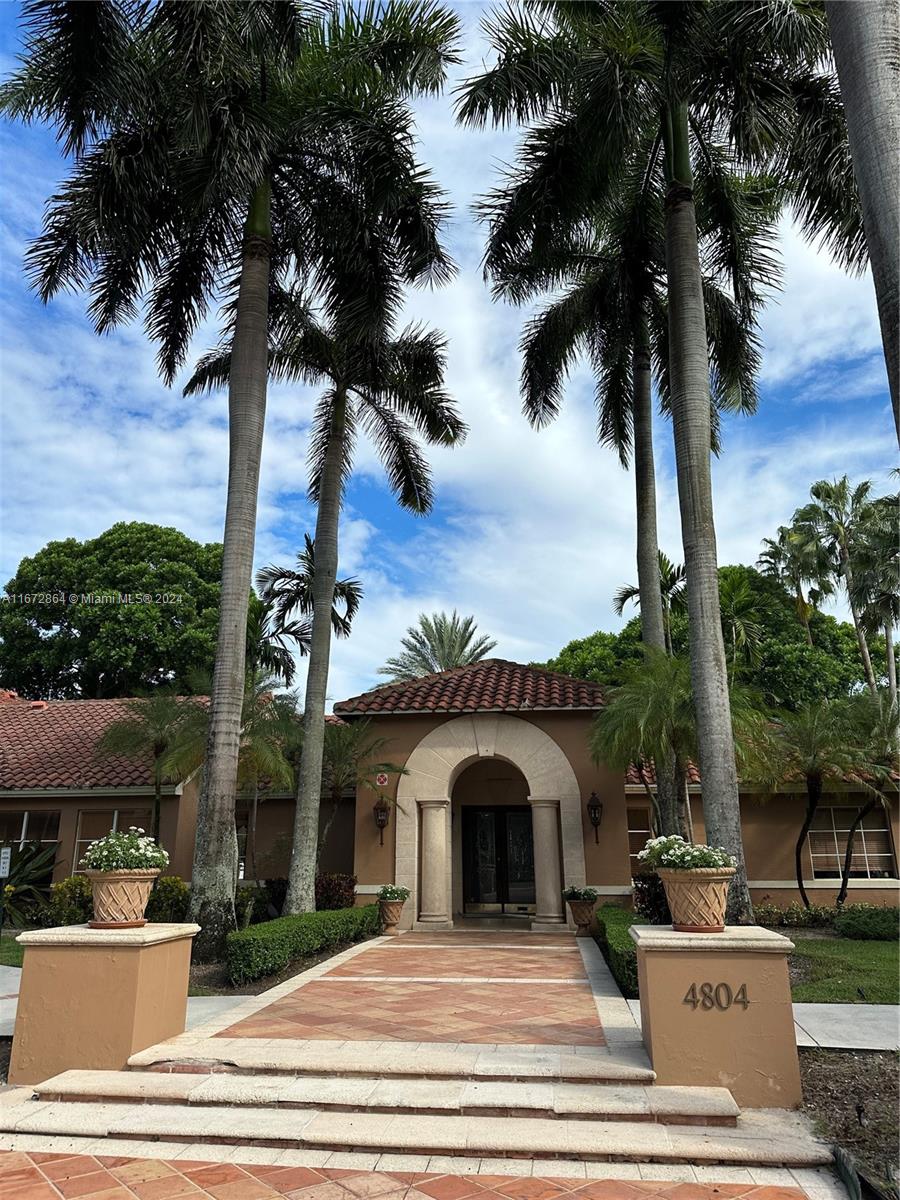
[{"x": 716, "y": 995}]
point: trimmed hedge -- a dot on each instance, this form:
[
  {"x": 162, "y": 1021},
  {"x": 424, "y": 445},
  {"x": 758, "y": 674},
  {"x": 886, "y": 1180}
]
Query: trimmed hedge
[
  {"x": 618, "y": 949},
  {"x": 266, "y": 948},
  {"x": 868, "y": 922}
]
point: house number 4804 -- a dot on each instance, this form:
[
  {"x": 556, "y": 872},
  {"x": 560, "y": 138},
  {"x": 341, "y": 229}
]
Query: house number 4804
[{"x": 715, "y": 995}]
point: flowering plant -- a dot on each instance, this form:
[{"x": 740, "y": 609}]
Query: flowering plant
[
  {"x": 121, "y": 851},
  {"x": 392, "y": 891},
  {"x": 576, "y": 893},
  {"x": 673, "y": 851}
]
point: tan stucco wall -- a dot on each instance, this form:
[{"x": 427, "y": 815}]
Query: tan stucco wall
[{"x": 769, "y": 828}]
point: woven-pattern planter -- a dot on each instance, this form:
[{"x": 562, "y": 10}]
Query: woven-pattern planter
[
  {"x": 390, "y": 915},
  {"x": 120, "y": 897},
  {"x": 697, "y": 897},
  {"x": 583, "y": 916}
]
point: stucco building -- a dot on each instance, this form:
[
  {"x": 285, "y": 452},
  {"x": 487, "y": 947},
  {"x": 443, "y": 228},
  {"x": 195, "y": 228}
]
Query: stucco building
[{"x": 498, "y": 809}]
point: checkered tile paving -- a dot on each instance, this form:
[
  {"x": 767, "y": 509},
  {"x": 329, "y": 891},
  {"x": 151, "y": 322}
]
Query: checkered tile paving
[
  {"x": 546, "y": 1014},
  {"x": 32, "y": 1176},
  {"x": 453, "y": 963}
]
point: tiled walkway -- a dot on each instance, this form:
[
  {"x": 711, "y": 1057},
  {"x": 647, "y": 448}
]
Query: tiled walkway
[
  {"x": 464, "y": 988},
  {"x": 33, "y": 1176}
]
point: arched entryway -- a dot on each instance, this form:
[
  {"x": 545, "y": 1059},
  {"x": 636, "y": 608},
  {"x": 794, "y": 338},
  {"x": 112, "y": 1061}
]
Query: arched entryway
[{"x": 425, "y": 830}]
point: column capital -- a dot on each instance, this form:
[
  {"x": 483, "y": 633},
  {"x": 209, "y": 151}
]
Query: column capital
[
  {"x": 433, "y": 802},
  {"x": 543, "y": 801}
]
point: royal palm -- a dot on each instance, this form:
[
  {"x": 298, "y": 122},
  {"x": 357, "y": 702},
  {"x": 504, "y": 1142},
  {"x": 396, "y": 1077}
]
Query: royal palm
[
  {"x": 707, "y": 74},
  {"x": 221, "y": 146},
  {"x": 390, "y": 390}
]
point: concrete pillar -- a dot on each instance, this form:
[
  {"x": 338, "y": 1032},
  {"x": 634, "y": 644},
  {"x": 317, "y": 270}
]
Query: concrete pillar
[
  {"x": 434, "y": 908},
  {"x": 547, "y": 880}
]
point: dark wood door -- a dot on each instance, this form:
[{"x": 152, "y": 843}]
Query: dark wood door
[{"x": 498, "y": 860}]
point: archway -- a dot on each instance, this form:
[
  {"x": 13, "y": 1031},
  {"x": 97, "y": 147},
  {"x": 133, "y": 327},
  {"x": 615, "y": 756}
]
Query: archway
[{"x": 424, "y": 862}]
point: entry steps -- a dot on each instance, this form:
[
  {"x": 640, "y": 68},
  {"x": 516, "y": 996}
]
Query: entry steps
[{"x": 458, "y": 1118}]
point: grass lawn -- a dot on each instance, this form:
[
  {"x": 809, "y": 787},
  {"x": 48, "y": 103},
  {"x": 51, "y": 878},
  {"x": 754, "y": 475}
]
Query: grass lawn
[
  {"x": 11, "y": 953},
  {"x": 834, "y": 970}
]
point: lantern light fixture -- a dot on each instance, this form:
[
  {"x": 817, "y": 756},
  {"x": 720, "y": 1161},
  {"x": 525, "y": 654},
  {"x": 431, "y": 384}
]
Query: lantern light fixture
[
  {"x": 595, "y": 814},
  {"x": 382, "y": 812}
]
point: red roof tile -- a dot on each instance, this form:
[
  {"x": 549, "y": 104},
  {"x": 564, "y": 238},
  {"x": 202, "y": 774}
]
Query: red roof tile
[
  {"x": 492, "y": 685},
  {"x": 633, "y": 775}
]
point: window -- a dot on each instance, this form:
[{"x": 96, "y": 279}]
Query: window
[
  {"x": 639, "y": 831},
  {"x": 96, "y": 824},
  {"x": 36, "y": 825},
  {"x": 873, "y": 851}
]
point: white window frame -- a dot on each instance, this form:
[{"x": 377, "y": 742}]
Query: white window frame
[
  {"x": 78, "y": 839},
  {"x": 23, "y": 836},
  {"x": 859, "y": 845}
]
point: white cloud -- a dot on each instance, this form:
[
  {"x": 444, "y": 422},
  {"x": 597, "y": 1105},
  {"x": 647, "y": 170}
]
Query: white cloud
[{"x": 536, "y": 530}]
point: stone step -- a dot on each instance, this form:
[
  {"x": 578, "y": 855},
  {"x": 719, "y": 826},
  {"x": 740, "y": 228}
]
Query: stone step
[
  {"x": 762, "y": 1137},
  {"x": 538, "y": 1098},
  {"x": 397, "y": 1060}
]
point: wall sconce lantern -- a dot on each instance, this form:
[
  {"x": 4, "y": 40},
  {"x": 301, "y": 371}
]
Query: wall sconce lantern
[
  {"x": 595, "y": 814},
  {"x": 382, "y": 812}
]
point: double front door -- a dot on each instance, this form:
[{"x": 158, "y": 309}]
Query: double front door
[{"x": 498, "y": 860}]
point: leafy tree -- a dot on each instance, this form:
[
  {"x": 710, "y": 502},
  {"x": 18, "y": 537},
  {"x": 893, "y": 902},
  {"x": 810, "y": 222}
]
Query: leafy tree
[
  {"x": 438, "y": 643},
  {"x": 130, "y": 610},
  {"x": 232, "y": 144},
  {"x": 390, "y": 388},
  {"x": 672, "y": 593},
  {"x": 352, "y": 757},
  {"x": 877, "y": 559},
  {"x": 865, "y": 35},
  {"x": 154, "y": 726},
  {"x": 601, "y": 657}
]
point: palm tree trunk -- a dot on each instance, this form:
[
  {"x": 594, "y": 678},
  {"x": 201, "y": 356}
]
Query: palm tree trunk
[
  {"x": 891, "y": 657},
  {"x": 857, "y": 622},
  {"x": 215, "y": 849},
  {"x": 301, "y": 895},
  {"x": 801, "y": 606},
  {"x": 865, "y": 35},
  {"x": 323, "y": 836},
  {"x": 861, "y": 815},
  {"x": 690, "y": 403},
  {"x": 653, "y": 628},
  {"x": 813, "y": 798}
]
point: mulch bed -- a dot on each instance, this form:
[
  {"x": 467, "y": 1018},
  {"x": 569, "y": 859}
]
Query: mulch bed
[{"x": 853, "y": 1097}]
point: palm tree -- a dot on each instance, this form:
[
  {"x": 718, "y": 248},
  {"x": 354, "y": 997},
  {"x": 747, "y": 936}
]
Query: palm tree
[
  {"x": 352, "y": 758},
  {"x": 219, "y": 142},
  {"x": 743, "y": 614},
  {"x": 438, "y": 643},
  {"x": 290, "y": 589},
  {"x": 267, "y": 647},
  {"x": 836, "y": 518},
  {"x": 148, "y": 733},
  {"x": 865, "y": 36},
  {"x": 672, "y": 593},
  {"x": 706, "y": 75},
  {"x": 389, "y": 389},
  {"x": 877, "y": 559},
  {"x": 816, "y": 746},
  {"x": 651, "y": 719},
  {"x": 802, "y": 567}
]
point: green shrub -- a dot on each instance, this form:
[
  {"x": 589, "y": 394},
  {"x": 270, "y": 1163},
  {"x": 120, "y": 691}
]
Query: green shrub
[
  {"x": 649, "y": 898},
  {"x": 795, "y": 916},
  {"x": 335, "y": 890},
  {"x": 868, "y": 922},
  {"x": 71, "y": 902},
  {"x": 169, "y": 900},
  {"x": 266, "y": 948},
  {"x": 618, "y": 949}
]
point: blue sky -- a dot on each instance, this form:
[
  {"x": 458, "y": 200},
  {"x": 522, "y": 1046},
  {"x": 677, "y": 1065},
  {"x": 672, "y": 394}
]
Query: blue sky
[{"x": 532, "y": 532}]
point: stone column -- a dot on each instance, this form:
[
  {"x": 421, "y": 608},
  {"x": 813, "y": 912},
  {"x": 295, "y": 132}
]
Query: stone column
[
  {"x": 547, "y": 880},
  {"x": 434, "y": 910}
]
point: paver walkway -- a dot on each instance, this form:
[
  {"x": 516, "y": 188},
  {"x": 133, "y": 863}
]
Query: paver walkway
[
  {"x": 35, "y": 1176},
  {"x": 463, "y": 988}
]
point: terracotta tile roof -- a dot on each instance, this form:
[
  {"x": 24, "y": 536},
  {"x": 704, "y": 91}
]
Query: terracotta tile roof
[
  {"x": 492, "y": 685},
  {"x": 633, "y": 775}
]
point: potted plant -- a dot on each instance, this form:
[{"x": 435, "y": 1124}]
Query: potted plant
[
  {"x": 582, "y": 902},
  {"x": 391, "y": 899},
  {"x": 696, "y": 879},
  {"x": 122, "y": 867}
]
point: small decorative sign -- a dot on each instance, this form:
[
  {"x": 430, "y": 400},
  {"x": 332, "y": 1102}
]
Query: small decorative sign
[
  {"x": 5, "y": 860},
  {"x": 708, "y": 996},
  {"x": 382, "y": 778}
]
